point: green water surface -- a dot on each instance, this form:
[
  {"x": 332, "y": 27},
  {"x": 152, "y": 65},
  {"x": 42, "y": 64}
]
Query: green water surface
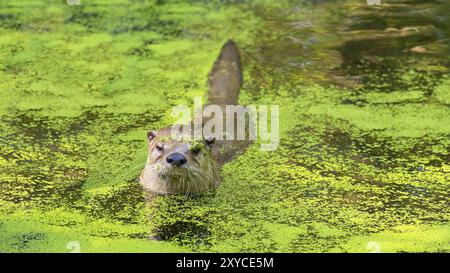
[{"x": 363, "y": 162}]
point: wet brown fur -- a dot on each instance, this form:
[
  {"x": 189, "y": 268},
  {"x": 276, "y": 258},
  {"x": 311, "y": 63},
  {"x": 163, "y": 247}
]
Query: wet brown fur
[{"x": 201, "y": 172}]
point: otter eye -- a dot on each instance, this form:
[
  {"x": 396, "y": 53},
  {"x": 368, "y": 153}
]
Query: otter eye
[
  {"x": 210, "y": 141},
  {"x": 159, "y": 147},
  {"x": 196, "y": 150}
]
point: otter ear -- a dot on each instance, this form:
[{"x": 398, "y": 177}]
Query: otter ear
[
  {"x": 151, "y": 135},
  {"x": 210, "y": 141}
]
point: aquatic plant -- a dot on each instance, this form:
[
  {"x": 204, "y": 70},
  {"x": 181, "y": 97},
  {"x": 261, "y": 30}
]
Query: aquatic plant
[{"x": 364, "y": 144}]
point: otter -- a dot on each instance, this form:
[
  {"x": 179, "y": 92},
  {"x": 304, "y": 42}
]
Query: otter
[{"x": 181, "y": 165}]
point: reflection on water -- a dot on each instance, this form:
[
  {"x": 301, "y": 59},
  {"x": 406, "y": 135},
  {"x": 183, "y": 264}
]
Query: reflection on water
[
  {"x": 357, "y": 45},
  {"x": 385, "y": 60},
  {"x": 400, "y": 48},
  {"x": 398, "y": 35}
]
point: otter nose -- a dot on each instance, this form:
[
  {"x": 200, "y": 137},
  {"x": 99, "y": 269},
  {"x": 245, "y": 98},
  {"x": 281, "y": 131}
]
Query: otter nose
[{"x": 176, "y": 159}]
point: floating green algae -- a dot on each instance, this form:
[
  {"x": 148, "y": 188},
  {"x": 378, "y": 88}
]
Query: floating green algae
[
  {"x": 356, "y": 167},
  {"x": 364, "y": 148},
  {"x": 63, "y": 231},
  {"x": 80, "y": 86}
]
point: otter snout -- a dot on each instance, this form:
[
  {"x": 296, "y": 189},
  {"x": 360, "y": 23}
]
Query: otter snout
[{"x": 176, "y": 159}]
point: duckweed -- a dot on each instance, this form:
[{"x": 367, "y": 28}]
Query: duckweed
[{"x": 363, "y": 161}]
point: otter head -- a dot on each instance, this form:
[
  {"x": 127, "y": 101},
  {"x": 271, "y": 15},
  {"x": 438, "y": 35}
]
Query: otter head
[{"x": 177, "y": 165}]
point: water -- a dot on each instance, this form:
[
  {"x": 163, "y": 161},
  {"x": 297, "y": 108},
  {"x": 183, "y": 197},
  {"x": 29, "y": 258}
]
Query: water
[
  {"x": 364, "y": 102},
  {"x": 335, "y": 172}
]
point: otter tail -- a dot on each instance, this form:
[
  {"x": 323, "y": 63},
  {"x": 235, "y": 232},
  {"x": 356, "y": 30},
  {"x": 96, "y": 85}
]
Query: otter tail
[{"x": 225, "y": 78}]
